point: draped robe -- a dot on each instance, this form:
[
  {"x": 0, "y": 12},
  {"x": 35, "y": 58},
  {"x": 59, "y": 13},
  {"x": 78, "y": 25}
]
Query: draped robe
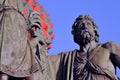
[{"x": 64, "y": 67}]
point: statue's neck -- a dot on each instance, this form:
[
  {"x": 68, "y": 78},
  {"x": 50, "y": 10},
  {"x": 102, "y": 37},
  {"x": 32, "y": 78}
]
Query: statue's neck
[{"x": 88, "y": 47}]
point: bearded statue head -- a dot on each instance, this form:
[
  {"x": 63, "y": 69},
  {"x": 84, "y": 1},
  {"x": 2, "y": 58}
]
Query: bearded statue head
[{"x": 84, "y": 30}]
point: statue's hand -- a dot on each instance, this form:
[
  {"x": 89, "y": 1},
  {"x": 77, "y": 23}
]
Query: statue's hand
[
  {"x": 34, "y": 28},
  {"x": 34, "y": 20},
  {"x": 34, "y": 24}
]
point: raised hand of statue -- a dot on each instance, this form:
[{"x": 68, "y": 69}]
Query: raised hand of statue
[
  {"x": 34, "y": 25},
  {"x": 34, "y": 20}
]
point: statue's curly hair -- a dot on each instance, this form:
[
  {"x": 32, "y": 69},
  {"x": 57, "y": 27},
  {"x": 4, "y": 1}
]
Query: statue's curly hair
[{"x": 82, "y": 17}]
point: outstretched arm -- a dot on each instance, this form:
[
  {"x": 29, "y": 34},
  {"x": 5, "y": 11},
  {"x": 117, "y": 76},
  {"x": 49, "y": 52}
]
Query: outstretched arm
[{"x": 55, "y": 61}]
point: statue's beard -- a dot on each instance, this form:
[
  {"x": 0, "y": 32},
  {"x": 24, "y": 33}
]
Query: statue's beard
[{"x": 85, "y": 37}]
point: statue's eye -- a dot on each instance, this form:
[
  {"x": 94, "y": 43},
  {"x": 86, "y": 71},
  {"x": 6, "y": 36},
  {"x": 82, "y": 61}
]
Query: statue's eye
[
  {"x": 78, "y": 25},
  {"x": 88, "y": 24},
  {"x": 81, "y": 26}
]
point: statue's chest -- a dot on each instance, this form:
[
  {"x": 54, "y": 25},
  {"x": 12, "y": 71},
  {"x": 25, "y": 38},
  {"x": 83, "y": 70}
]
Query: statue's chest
[{"x": 100, "y": 56}]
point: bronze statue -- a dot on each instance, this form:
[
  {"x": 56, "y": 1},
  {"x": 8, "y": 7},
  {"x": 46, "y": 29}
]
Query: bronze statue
[
  {"x": 92, "y": 61},
  {"x": 22, "y": 58}
]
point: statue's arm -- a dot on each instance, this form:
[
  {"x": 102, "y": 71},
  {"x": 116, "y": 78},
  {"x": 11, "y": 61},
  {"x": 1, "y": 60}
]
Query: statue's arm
[
  {"x": 54, "y": 62},
  {"x": 114, "y": 53}
]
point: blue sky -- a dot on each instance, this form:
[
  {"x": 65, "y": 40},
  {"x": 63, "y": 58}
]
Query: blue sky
[{"x": 106, "y": 14}]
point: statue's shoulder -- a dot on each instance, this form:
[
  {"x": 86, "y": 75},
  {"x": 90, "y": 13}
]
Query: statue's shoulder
[
  {"x": 110, "y": 45},
  {"x": 62, "y": 56},
  {"x": 68, "y": 52}
]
